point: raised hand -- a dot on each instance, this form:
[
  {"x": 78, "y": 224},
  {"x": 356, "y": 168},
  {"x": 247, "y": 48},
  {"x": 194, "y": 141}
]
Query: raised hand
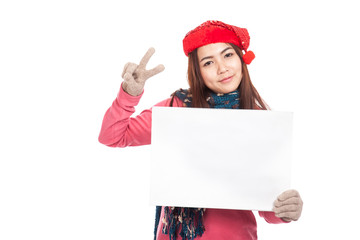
[
  {"x": 288, "y": 206},
  {"x": 135, "y": 75}
]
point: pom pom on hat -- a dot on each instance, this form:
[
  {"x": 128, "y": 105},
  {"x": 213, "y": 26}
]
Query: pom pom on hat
[
  {"x": 248, "y": 57},
  {"x": 215, "y": 32}
]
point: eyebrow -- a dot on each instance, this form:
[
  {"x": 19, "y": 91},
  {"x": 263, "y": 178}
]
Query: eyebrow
[{"x": 220, "y": 53}]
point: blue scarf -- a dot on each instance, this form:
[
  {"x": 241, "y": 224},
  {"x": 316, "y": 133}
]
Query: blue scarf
[
  {"x": 215, "y": 100},
  {"x": 189, "y": 220}
]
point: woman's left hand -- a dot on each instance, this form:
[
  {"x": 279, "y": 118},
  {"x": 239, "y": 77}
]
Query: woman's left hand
[{"x": 288, "y": 206}]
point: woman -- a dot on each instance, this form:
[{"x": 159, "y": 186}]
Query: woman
[{"x": 218, "y": 78}]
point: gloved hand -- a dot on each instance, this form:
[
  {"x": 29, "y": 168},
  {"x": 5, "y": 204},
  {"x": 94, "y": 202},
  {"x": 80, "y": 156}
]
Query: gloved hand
[
  {"x": 288, "y": 206},
  {"x": 135, "y": 75}
]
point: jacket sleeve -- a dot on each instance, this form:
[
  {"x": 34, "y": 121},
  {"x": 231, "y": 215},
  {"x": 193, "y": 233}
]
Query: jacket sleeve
[
  {"x": 270, "y": 217},
  {"x": 119, "y": 129}
]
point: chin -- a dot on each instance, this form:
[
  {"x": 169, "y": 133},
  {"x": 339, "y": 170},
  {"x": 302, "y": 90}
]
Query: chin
[
  {"x": 226, "y": 91},
  {"x": 229, "y": 90}
]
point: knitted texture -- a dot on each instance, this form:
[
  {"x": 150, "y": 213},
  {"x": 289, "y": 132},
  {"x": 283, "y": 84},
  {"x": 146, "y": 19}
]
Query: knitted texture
[
  {"x": 214, "y": 32},
  {"x": 188, "y": 221},
  {"x": 216, "y": 100}
]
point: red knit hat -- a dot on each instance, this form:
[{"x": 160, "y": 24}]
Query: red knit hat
[{"x": 216, "y": 31}]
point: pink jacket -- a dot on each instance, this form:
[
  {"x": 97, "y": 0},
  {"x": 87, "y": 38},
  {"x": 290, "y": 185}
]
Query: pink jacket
[{"x": 119, "y": 129}]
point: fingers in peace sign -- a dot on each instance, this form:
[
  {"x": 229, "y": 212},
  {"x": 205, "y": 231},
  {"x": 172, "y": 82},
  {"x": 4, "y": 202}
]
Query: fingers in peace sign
[
  {"x": 139, "y": 72},
  {"x": 135, "y": 75},
  {"x": 144, "y": 61}
]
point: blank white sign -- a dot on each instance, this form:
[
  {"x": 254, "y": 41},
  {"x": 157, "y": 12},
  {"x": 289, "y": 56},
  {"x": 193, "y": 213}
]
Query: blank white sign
[{"x": 219, "y": 158}]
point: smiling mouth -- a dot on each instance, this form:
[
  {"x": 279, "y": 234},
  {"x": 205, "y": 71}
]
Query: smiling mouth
[{"x": 225, "y": 80}]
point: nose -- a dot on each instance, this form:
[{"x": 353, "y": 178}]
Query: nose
[{"x": 222, "y": 68}]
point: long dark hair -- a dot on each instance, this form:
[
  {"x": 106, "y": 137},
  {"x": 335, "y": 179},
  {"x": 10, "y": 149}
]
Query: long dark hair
[{"x": 249, "y": 97}]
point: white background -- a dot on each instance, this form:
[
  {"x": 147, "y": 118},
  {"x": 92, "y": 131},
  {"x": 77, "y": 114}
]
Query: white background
[{"x": 60, "y": 67}]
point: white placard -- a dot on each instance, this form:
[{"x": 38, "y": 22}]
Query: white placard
[{"x": 219, "y": 158}]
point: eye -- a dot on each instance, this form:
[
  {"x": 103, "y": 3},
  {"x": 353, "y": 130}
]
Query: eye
[
  {"x": 229, "y": 55},
  {"x": 207, "y": 63}
]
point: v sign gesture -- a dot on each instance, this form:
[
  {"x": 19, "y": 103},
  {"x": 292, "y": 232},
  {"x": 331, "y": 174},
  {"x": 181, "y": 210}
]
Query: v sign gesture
[{"x": 135, "y": 75}]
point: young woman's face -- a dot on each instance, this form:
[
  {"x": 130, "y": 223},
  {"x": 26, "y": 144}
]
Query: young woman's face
[{"x": 220, "y": 67}]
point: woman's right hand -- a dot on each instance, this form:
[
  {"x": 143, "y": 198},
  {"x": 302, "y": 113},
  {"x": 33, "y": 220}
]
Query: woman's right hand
[{"x": 135, "y": 75}]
